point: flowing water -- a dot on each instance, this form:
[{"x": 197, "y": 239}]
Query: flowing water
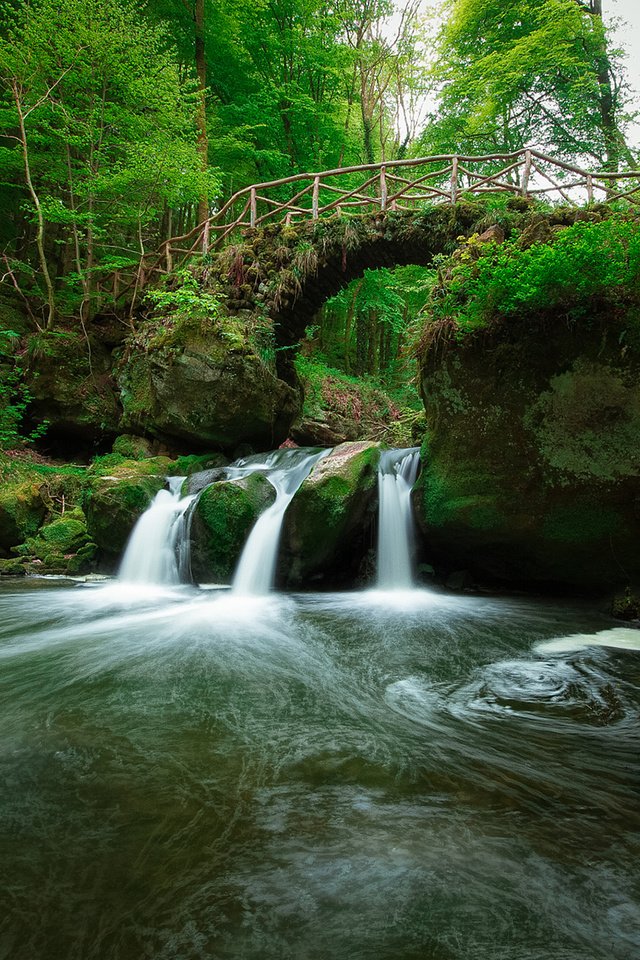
[
  {"x": 158, "y": 548},
  {"x": 285, "y": 470},
  {"x": 367, "y": 776},
  {"x": 396, "y": 476}
]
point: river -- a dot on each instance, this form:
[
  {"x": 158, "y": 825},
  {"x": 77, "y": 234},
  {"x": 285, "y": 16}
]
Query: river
[{"x": 404, "y": 776}]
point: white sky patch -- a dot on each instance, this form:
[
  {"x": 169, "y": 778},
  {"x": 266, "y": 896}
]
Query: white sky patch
[{"x": 626, "y": 35}]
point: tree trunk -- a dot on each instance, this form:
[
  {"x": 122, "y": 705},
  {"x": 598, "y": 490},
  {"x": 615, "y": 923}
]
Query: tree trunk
[
  {"x": 614, "y": 143},
  {"x": 24, "y": 143}
]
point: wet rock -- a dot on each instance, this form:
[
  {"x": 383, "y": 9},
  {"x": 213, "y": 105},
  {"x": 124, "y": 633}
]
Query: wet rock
[
  {"x": 531, "y": 467},
  {"x": 69, "y": 379},
  {"x": 117, "y": 494},
  {"x": 224, "y": 516},
  {"x": 328, "y": 524},
  {"x": 203, "y": 392},
  {"x": 626, "y": 605}
]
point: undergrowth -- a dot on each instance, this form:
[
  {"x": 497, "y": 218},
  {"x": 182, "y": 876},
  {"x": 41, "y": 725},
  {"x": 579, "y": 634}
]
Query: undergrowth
[{"x": 582, "y": 266}]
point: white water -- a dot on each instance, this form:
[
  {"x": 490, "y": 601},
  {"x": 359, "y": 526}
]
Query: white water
[
  {"x": 285, "y": 470},
  {"x": 158, "y": 549},
  {"x": 396, "y": 475}
]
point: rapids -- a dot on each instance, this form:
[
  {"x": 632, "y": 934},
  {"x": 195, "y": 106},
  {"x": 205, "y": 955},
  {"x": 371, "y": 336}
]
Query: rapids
[{"x": 368, "y": 776}]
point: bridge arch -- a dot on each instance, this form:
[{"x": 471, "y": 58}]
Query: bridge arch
[{"x": 287, "y": 272}]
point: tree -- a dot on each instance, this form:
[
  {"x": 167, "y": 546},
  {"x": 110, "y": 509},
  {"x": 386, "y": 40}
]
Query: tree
[
  {"x": 521, "y": 72},
  {"x": 106, "y": 131}
]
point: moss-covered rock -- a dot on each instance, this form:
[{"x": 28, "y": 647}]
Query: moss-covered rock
[
  {"x": 22, "y": 510},
  {"x": 531, "y": 468},
  {"x": 131, "y": 447},
  {"x": 205, "y": 391},
  {"x": 61, "y": 546},
  {"x": 117, "y": 493},
  {"x": 69, "y": 379},
  {"x": 223, "y": 518},
  {"x": 327, "y": 526},
  {"x": 197, "y": 465},
  {"x": 31, "y": 491},
  {"x": 626, "y": 605},
  {"x": 12, "y": 568}
]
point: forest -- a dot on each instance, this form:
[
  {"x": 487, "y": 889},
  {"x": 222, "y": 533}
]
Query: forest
[
  {"x": 319, "y": 480},
  {"x": 132, "y": 132},
  {"x": 126, "y": 123}
]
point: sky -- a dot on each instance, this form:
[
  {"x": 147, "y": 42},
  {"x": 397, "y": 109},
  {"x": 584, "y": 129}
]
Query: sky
[{"x": 627, "y": 35}]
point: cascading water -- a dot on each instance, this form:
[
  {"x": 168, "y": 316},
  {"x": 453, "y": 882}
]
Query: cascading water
[
  {"x": 158, "y": 548},
  {"x": 396, "y": 475},
  {"x": 285, "y": 470}
]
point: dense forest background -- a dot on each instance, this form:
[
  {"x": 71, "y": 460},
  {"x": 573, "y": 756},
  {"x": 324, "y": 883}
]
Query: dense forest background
[{"x": 124, "y": 122}]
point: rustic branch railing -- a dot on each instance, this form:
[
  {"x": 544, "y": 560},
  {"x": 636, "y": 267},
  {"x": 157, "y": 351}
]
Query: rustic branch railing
[{"x": 392, "y": 185}]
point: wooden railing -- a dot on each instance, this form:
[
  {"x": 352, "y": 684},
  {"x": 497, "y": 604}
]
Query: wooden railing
[{"x": 392, "y": 185}]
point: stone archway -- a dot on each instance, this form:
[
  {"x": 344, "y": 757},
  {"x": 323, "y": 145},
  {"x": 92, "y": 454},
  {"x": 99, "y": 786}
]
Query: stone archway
[
  {"x": 288, "y": 272},
  {"x": 200, "y": 389}
]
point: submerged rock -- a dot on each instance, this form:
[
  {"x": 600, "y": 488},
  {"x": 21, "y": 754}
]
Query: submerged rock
[
  {"x": 223, "y": 518},
  {"x": 327, "y": 526}
]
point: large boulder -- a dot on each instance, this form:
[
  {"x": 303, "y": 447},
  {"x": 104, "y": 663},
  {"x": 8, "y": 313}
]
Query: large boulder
[
  {"x": 205, "y": 391},
  {"x": 327, "y": 526},
  {"x": 223, "y": 517},
  {"x": 531, "y": 467}
]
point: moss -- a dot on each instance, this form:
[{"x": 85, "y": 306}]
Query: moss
[
  {"x": 12, "y": 568},
  {"x": 223, "y": 517},
  {"x": 117, "y": 493},
  {"x": 131, "y": 447},
  {"x": 64, "y": 534},
  {"x": 69, "y": 378},
  {"x": 626, "y": 605},
  {"x": 587, "y": 424},
  {"x": 582, "y": 523},
  {"x": 61, "y": 546},
  {"x": 328, "y": 522},
  {"x": 22, "y": 510},
  {"x": 533, "y": 477},
  {"x": 195, "y": 463}
]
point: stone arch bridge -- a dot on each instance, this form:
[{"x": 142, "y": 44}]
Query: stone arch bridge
[{"x": 283, "y": 247}]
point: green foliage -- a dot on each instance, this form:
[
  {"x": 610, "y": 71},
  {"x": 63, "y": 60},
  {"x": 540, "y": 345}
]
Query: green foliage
[
  {"x": 355, "y": 406},
  {"x": 14, "y": 397},
  {"x": 109, "y": 132},
  {"x": 527, "y": 72},
  {"x": 185, "y": 299},
  {"x": 586, "y": 264}
]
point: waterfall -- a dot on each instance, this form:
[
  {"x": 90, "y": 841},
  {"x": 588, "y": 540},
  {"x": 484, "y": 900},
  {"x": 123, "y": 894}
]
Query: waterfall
[
  {"x": 158, "y": 548},
  {"x": 396, "y": 475},
  {"x": 285, "y": 470}
]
